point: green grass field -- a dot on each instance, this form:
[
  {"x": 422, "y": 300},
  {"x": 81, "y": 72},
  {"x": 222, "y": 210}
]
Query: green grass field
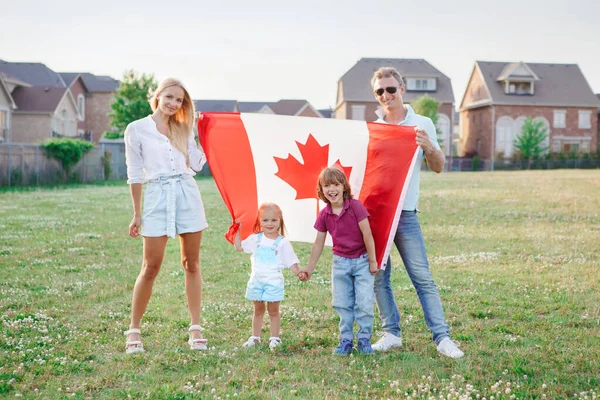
[{"x": 516, "y": 257}]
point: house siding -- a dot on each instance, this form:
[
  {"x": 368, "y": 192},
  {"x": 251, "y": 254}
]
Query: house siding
[
  {"x": 308, "y": 112},
  {"x": 97, "y": 108},
  {"x": 30, "y": 128},
  {"x": 77, "y": 89},
  {"x": 476, "y": 90}
]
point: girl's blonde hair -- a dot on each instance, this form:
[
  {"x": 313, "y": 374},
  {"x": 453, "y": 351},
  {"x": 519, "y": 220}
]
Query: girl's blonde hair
[
  {"x": 333, "y": 175},
  {"x": 257, "y": 223},
  {"x": 182, "y": 122}
]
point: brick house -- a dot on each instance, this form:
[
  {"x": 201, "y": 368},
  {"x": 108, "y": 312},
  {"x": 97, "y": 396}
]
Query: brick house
[
  {"x": 355, "y": 99},
  {"x": 44, "y": 104},
  {"x": 95, "y": 94},
  {"x": 501, "y": 95}
]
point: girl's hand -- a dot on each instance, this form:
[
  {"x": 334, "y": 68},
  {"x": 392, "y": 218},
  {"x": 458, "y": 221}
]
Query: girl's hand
[
  {"x": 373, "y": 267},
  {"x": 134, "y": 226},
  {"x": 304, "y": 275},
  {"x": 301, "y": 276}
]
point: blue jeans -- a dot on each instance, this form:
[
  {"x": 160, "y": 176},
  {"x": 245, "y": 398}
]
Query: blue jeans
[
  {"x": 409, "y": 242},
  {"x": 353, "y": 295}
]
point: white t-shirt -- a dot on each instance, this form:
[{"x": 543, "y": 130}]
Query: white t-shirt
[
  {"x": 285, "y": 252},
  {"x": 414, "y": 119}
]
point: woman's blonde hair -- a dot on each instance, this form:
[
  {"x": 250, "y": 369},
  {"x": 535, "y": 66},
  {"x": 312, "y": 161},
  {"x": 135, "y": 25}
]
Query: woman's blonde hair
[{"x": 181, "y": 123}]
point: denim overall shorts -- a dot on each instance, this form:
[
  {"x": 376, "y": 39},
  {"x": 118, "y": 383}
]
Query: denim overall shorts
[{"x": 266, "y": 279}]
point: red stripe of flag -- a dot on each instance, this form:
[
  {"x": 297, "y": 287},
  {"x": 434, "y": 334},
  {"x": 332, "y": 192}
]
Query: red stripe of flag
[
  {"x": 390, "y": 158},
  {"x": 232, "y": 166}
]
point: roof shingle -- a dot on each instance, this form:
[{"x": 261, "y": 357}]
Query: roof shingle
[
  {"x": 36, "y": 74},
  {"x": 558, "y": 85},
  {"x": 38, "y": 99}
]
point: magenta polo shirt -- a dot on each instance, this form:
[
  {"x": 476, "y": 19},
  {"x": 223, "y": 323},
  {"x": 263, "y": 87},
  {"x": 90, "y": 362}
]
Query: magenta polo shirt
[{"x": 346, "y": 235}]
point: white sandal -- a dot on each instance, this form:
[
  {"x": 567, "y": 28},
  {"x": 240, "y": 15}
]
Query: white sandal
[
  {"x": 133, "y": 346},
  {"x": 200, "y": 343}
]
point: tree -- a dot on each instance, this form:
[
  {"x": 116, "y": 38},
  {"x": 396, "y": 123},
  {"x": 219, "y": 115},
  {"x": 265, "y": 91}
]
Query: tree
[
  {"x": 428, "y": 107},
  {"x": 530, "y": 142},
  {"x": 66, "y": 150},
  {"x": 131, "y": 101}
]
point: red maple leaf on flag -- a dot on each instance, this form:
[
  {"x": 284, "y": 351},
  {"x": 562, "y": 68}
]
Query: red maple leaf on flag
[{"x": 303, "y": 177}]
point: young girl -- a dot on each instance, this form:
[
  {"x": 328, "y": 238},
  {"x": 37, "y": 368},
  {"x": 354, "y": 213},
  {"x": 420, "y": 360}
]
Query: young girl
[
  {"x": 354, "y": 262},
  {"x": 160, "y": 151},
  {"x": 271, "y": 253}
]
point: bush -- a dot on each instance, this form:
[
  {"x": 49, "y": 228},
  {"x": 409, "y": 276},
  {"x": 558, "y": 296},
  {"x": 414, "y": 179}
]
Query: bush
[
  {"x": 475, "y": 163},
  {"x": 66, "y": 150},
  {"x": 113, "y": 135},
  {"x": 106, "y": 164}
]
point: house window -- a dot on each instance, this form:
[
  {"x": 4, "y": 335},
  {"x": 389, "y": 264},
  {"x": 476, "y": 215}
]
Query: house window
[
  {"x": 81, "y": 106},
  {"x": 571, "y": 148},
  {"x": 443, "y": 127},
  {"x": 585, "y": 146},
  {"x": 560, "y": 118},
  {"x": 427, "y": 85},
  {"x": 64, "y": 123},
  {"x": 585, "y": 121},
  {"x": 505, "y": 136},
  {"x": 358, "y": 113}
]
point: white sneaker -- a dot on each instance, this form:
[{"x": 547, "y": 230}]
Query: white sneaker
[
  {"x": 448, "y": 348},
  {"x": 387, "y": 341},
  {"x": 251, "y": 342},
  {"x": 274, "y": 342}
]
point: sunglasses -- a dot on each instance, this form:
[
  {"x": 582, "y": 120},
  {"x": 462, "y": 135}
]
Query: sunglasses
[{"x": 389, "y": 89}]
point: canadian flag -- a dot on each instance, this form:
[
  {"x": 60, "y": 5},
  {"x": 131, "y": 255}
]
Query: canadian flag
[{"x": 257, "y": 158}]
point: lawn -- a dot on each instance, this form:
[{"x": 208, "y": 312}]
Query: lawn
[{"x": 516, "y": 257}]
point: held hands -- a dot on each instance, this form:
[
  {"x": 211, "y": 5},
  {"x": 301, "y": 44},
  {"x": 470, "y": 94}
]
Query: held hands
[
  {"x": 423, "y": 140},
  {"x": 134, "y": 226},
  {"x": 304, "y": 275},
  {"x": 373, "y": 267}
]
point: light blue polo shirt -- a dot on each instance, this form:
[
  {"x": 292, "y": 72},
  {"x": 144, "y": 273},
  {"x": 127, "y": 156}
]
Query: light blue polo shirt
[{"x": 413, "y": 119}]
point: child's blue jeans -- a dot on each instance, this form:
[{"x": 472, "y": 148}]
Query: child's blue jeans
[{"x": 353, "y": 295}]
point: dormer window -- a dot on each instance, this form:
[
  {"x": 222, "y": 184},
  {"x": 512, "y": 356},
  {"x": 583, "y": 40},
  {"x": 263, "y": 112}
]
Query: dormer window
[
  {"x": 518, "y": 79},
  {"x": 420, "y": 84},
  {"x": 518, "y": 88}
]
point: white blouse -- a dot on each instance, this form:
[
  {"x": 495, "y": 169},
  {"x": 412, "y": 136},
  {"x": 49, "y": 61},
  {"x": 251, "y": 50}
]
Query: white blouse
[{"x": 149, "y": 154}]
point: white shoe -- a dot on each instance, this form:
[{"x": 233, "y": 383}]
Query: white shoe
[
  {"x": 251, "y": 342},
  {"x": 199, "y": 344},
  {"x": 133, "y": 346},
  {"x": 274, "y": 342},
  {"x": 387, "y": 341},
  {"x": 448, "y": 348}
]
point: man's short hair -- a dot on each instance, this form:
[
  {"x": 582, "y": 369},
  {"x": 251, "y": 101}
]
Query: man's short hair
[{"x": 387, "y": 72}]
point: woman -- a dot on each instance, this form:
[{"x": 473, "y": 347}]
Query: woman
[{"x": 161, "y": 151}]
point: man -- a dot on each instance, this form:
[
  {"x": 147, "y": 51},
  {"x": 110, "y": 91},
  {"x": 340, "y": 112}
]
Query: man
[{"x": 388, "y": 88}]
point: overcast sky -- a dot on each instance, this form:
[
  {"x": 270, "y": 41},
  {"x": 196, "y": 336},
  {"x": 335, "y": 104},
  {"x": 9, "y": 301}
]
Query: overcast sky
[{"x": 268, "y": 50}]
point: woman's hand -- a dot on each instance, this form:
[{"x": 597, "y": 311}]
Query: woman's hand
[{"x": 134, "y": 226}]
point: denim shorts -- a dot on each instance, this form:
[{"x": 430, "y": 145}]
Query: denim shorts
[
  {"x": 172, "y": 206},
  {"x": 265, "y": 289}
]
